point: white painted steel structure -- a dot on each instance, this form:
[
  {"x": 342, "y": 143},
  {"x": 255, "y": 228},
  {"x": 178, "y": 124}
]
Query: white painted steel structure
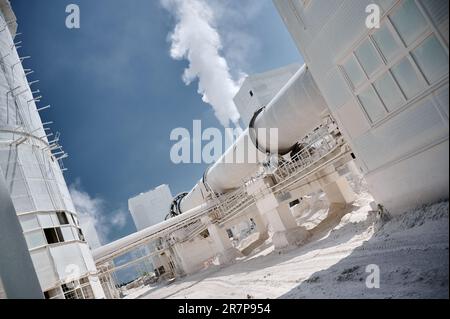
[
  {"x": 296, "y": 110},
  {"x": 30, "y": 162}
]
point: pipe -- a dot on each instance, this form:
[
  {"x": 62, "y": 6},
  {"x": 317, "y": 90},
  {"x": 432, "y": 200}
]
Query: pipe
[
  {"x": 124, "y": 244},
  {"x": 295, "y": 111}
]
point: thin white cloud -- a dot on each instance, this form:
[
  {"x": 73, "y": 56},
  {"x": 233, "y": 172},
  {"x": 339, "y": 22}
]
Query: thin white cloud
[{"x": 92, "y": 209}]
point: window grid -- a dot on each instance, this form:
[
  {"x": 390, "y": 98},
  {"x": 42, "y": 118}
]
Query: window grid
[{"x": 385, "y": 68}]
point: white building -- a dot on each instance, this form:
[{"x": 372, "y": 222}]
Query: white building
[
  {"x": 150, "y": 208},
  {"x": 31, "y": 167},
  {"x": 258, "y": 90},
  {"x": 90, "y": 232},
  {"x": 387, "y": 88}
]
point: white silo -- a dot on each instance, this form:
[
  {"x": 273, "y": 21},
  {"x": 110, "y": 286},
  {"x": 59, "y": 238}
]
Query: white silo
[{"x": 30, "y": 162}]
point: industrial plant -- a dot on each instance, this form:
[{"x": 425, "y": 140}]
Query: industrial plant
[{"x": 359, "y": 157}]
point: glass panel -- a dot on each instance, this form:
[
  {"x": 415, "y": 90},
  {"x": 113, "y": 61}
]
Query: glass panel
[
  {"x": 51, "y": 236},
  {"x": 87, "y": 292},
  {"x": 67, "y": 233},
  {"x": 368, "y": 56},
  {"x": 354, "y": 72},
  {"x": 389, "y": 92},
  {"x": 407, "y": 78},
  {"x": 432, "y": 59},
  {"x": 386, "y": 42},
  {"x": 29, "y": 222},
  {"x": 60, "y": 235},
  {"x": 35, "y": 239},
  {"x": 372, "y": 104},
  {"x": 62, "y": 218},
  {"x": 80, "y": 234},
  {"x": 408, "y": 21},
  {"x": 45, "y": 220}
]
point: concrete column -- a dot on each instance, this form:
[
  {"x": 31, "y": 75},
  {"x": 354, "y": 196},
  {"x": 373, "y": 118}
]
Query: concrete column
[
  {"x": 339, "y": 192},
  {"x": 227, "y": 253},
  {"x": 278, "y": 216},
  {"x": 260, "y": 224},
  {"x": 284, "y": 226}
]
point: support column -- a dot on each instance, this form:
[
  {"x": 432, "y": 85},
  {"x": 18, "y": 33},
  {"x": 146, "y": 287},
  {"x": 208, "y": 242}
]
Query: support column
[
  {"x": 284, "y": 226},
  {"x": 227, "y": 253},
  {"x": 339, "y": 192},
  {"x": 278, "y": 215}
]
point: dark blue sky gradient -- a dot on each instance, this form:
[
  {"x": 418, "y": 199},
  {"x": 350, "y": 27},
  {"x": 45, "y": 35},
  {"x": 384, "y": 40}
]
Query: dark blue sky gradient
[{"x": 116, "y": 94}]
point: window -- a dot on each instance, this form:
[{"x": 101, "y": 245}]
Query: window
[
  {"x": 80, "y": 234},
  {"x": 87, "y": 292},
  {"x": 53, "y": 235},
  {"x": 400, "y": 60},
  {"x": 368, "y": 57},
  {"x": 78, "y": 289},
  {"x": 62, "y": 218},
  {"x": 53, "y": 293},
  {"x": 432, "y": 59},
  {"x": 389, "y": 92},
  {"x": 408, "y": 21},
  {"x": 372, "y": 104},
  {"x": 50, "y": 235},
  {"x": 28, "y": 222},
  {"x": 386, "y": 42},
  {"x": 35, "y": 239},
  {"x": 354, "y": 72},
  {"x": 407, "y": 78}
]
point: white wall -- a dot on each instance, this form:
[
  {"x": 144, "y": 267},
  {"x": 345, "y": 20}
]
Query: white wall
[
  {"x": 401, "y": 148},
  {"x": 150, "y": 208}
]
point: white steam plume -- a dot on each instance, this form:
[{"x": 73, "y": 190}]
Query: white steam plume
[{"x": 196, "y": 39}]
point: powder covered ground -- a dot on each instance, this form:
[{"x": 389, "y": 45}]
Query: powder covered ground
[{"x": 411, "y": 251}]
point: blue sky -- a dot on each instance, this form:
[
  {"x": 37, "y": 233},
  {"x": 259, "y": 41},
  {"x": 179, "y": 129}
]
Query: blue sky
[{"x": 116, "y": 93}]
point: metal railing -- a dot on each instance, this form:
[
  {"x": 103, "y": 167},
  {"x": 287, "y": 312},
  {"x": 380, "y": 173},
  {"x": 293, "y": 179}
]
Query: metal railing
[{"x": 318, "y": 145}]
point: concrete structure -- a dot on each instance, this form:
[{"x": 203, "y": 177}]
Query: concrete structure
[
  {"x": 258, "y": 90},
  {"x": 387, "y": 88},
  {"x": 90, "y": 232},
  {"x": 18, "y": 279},
  {"x": 312, "y": 155},
  {"x": 150, "y": 208},
  {"x": 30, "y": 163}
]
